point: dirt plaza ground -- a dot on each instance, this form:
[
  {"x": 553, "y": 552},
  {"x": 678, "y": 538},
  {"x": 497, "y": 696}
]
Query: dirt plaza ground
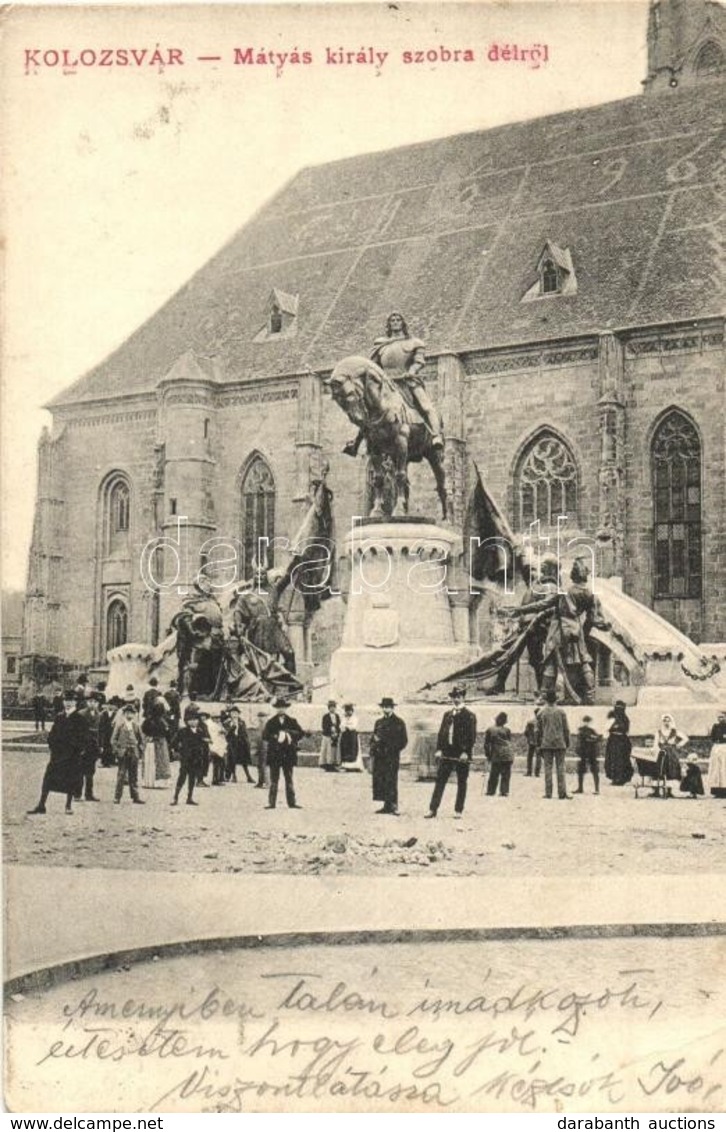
[{"x": 337, "y": 832}]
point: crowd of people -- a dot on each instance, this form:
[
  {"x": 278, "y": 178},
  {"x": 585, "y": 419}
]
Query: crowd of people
[
  {"x": 668, "y": 762},
  {"x": 144, "y": 736},
  {"x": 141, "y": 736}
]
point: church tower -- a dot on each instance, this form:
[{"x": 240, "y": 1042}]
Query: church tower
[{"x": 686, "y": 43}]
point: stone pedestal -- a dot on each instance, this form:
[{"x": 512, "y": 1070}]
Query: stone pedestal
[{"x": 399, "y": 631}]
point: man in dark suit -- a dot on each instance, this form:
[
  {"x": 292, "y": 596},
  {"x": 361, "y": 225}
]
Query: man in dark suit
[
  {"x": 105, "y": 729},
  {"x": 193, "y": 749},
  {"x": 63, "y": 772},
  {"x": 455, "y": 746},
  {"x": 282, "y": 734},
  {"x": 172, "y": 698},
  {"x": 388, "y": 740},
  {"x": 92, "y": 746},
  {"x": 238, "y": 746}
]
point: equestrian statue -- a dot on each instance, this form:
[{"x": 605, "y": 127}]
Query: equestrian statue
[
  {"x": 385, "y": 396},
  {"x": 394, "y": 432}
]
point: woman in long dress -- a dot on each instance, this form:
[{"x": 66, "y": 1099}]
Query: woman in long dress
[
  {"x": 717, "y": 759},
  {"x": 350, "y": 754},
  {"x": 618, "y": 765},
  {"x": 668, "y": 743}
]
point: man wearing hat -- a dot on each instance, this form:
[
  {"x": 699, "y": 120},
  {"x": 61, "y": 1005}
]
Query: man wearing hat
[
  {"x": 205, "y": 763},
  {"x": 173, "y": 699},
  {"x": 105, "y": 729},
  {"x": 128, "y": 745},
  {"x": 90, "y": 713},
  {"x": 282, "y": 734},
  {"x": 194, "y": 711},
  {"x": 128, "y": 700},
  {"x": 587, "y": 745},
  {"x": 238, "y": 746},
  {"x": 330, "y": 748},
  {"x": 388, "y": 740},
  {"x": 553, "y": 740},
  {"x": 193, "y": 750},
  {"x": 63, "y": 771},
  {"x": 455, "y": 746}
]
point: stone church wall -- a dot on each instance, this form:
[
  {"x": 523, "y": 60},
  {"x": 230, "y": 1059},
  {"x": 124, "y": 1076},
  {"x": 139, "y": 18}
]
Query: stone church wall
[
  {"x": 691, "y": 379},
  {"x": 505, "y": 407},
  {"x": 97, "y": 442}
]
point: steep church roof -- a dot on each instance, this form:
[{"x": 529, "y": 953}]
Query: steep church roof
[{"x": 450, "y": 232}]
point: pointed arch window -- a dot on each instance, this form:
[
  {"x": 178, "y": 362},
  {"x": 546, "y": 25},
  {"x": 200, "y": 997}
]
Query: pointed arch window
[
  {"x": 116, "y": 502},
  {"x": 676, "y": 481},
  {"x": 120, "y": 507},
  {"x": 258, "y": 511},
  {"x": 546, "y": 482},
  {"x": 117, "y": 624}
]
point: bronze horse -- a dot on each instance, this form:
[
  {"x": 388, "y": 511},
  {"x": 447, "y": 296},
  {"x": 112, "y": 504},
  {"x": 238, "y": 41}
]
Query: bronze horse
[{"x": 395, "y": 435}]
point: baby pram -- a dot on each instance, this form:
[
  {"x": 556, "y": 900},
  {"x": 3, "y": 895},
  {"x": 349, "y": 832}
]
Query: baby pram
[{"x": 655, "y": 772}]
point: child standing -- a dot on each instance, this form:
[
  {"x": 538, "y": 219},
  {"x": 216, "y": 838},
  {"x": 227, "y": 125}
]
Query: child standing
[
  {"x": 534, "y": 759},
  {"x": 692, "y": 783}
]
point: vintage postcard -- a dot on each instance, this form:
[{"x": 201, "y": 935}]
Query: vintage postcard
[{"x": 364, "y": 500}]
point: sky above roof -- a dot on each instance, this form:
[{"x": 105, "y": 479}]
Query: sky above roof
[
  {"x": 450, "y": 232},
  {"x": 122, "y": 182}
]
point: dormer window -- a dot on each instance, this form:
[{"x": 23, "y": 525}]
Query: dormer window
[
  {"x": 555, "y": 274},
  {"x": 281, "y": 321}
]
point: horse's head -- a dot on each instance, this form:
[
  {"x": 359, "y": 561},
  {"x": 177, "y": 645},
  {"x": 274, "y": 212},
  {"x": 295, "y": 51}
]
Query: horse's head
[{"x": 355, "y": 385}]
